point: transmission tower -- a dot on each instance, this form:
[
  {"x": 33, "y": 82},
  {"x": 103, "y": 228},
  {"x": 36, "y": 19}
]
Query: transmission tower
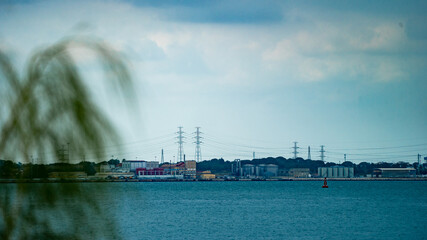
[
  {"x": 253, "y": 155},
  {"x": 322, "y": 153},
  {"x": 180, "y": 142},
  {"x": 162, "y": 159},
  {"x": 309, "y": 153},
  {"x": 198, "y": 155},
  {"x": 295, "y": 152}
]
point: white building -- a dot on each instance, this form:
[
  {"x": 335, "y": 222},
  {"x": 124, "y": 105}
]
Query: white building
[
  {"x": 132, "y": 165},
  {"x": 336, "y": 172},
  {"x": 152, "y": 164}
]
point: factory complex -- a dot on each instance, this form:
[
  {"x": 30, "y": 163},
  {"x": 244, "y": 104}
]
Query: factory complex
[
  {"x": 141, "y": 169},
  {"x": 187, "y": 170}
]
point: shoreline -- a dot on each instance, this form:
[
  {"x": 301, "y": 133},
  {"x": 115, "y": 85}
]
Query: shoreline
[{"x": 4, "y": 181}]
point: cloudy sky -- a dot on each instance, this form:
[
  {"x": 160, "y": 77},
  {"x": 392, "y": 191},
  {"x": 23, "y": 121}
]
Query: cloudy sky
[{"x": 254, "y": 75}]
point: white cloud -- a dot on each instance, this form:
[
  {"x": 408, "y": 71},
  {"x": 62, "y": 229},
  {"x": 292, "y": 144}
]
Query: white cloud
[
  {"x": 389, "y": 70},
  {"x": 317, "y": 49},
  {"x": 341, "y": 49}
]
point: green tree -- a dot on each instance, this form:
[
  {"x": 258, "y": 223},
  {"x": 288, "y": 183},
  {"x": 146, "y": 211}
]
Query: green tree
[
  {"x": 8, "y": 169},
  {"x": 88, "y": 168},
  {"x": 114, "y": 161}
]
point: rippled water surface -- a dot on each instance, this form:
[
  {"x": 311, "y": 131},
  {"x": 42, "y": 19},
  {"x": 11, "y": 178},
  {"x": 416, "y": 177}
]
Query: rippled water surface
[{"x": 266, "y": 210}]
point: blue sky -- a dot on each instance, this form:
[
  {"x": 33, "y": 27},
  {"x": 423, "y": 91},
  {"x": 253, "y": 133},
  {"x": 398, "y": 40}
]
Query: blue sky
[{"x": 254, "y": 75}]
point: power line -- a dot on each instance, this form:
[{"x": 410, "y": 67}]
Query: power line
[
  {"x": 378, "y": 148},
  {"x": 214, "y": 139}
]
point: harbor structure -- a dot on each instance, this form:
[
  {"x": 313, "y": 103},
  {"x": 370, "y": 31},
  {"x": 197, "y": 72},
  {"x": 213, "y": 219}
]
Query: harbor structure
[
  {"x": 336, "y": 172},
  {"x": 68, "y": 175},
  {"x": 115, "y": 175}
]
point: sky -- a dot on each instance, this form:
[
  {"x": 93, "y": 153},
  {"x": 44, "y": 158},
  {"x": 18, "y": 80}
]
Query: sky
[{"x": 256, "y": 76}]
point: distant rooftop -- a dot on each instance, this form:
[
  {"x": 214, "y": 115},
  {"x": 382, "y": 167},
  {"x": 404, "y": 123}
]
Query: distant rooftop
[{"x": 396, "y": 169}]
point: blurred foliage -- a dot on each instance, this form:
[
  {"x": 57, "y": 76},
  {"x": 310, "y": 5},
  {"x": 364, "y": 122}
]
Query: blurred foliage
[{"x": 48, "y": 105}]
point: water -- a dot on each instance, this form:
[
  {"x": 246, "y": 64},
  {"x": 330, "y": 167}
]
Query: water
[
  {"x": 259, "y": 210},
  {"x": 268, "y": 210}
]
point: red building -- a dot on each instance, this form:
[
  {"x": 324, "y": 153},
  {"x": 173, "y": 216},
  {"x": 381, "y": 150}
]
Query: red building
[{"x": 149, "y": 172}]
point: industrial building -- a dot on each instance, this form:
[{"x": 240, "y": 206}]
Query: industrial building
[
  {"x": 336, "y": 172},
  {"x": 236, "y": 168},
  {"x": 185, "y": 169},
  {"x": 250, "y": 170},
  {"x": 132, "y": 165},
  {"x": 149, "y": 172},
  {"x": 190, "y": 169},
  {"x": 206, "y": 175},
  {"x": 299, "y": 172},
  {"x": 152, "y": 164},
  {"x": 156, "y": 173},
  {"x": 104, "y": 168},
  {"x": 394, "y": 172},
  {"x": 267, "y": 170}
]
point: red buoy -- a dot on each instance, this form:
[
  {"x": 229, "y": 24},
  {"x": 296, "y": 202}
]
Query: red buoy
[{"x": 325, "y": 184}]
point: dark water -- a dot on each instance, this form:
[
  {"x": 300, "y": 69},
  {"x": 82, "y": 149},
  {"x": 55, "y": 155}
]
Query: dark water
[
  {"x": 267, "y": 210},
  {"x": 238, "y": 210}
]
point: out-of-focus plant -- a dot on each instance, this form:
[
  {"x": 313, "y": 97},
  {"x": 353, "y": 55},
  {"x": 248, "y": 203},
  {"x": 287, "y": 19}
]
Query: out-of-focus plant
[{"x": 48, "y": 105}]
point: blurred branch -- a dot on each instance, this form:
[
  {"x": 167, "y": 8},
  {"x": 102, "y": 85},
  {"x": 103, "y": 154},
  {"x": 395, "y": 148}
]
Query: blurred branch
[{"x": 52, "y": 105}]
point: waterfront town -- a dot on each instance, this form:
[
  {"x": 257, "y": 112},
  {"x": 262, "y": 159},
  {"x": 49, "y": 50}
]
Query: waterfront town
[{"x": 271, "y": 169}]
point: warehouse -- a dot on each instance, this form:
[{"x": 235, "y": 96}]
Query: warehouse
[{"x": 394, "y": 172}]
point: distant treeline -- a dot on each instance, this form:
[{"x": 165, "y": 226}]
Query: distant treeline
[
  {"x": 10, "y": 169},
  {"x": 220, "y": 166}
]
